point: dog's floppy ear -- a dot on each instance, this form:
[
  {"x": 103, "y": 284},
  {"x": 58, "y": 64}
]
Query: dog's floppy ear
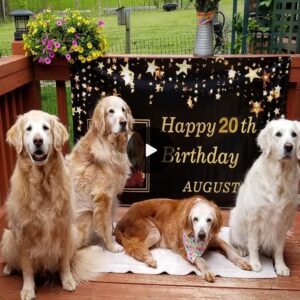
[
  {"x": 129, "y": 117},
  {"x": 297, "y": 123},
  {"x": 14, "y": 135},
  {"x": 98, "y": 118},
  {"x": 60, "y": 133},
  {"x": 217, "y": 222},
  {"x": 264, "y": 140}
]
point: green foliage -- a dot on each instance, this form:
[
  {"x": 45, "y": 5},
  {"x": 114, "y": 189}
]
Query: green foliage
[
  {"x": 70, "y": 35},
  {"x": 206, "y": 5},
  {"x": 22, "y": 4}
]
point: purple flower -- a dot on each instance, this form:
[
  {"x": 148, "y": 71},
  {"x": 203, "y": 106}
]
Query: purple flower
[
  {"x": 57, "y": 45},
  {"x": 74, "y": 43},
  {"x": 40, "y": 60},
  {"x": 51, "y": 54},
  {"x": 50, "y": 42},
  {"x": 49, "y": 47},
  {"x": 68, "y": 56},
  {"x": 77, "y": 36},
  {"x": 59, "y": 22},
  {"x": 101, "y": 23},
  {"x": 47, "y": 61}
]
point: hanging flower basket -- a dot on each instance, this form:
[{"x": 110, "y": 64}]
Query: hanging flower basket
[{"x": 71, "y": 36}]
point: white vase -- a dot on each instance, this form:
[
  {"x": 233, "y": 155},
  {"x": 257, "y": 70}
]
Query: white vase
[{"x": 204, "y": 40}]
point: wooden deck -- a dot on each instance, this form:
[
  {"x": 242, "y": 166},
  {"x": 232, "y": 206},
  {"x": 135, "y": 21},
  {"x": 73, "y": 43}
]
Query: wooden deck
[{"x": 132, "y": 286}]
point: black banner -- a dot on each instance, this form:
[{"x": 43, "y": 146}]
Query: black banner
[{"x": 202, "y": 114}]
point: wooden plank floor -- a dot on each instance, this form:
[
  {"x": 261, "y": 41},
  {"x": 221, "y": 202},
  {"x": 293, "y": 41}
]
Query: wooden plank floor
[{"x": 133, "y": 286}]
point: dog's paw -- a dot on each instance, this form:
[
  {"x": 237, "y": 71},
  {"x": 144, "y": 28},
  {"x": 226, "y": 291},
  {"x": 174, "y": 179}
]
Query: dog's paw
[
  {"x": 27, "y": 293},
  {"x": 151, "y": 262},
  {"x": 7, "y": 270},
  {"x": 282, "y": 270},
  {"x": 242, "y": 252},
  {"x": 115, "y": 247},
  {"x": 69, "y": 284},
  {"x": 256, "y": 266},
  {"x": 245, "y": 266},
  {"x": 209, "y": 276}
]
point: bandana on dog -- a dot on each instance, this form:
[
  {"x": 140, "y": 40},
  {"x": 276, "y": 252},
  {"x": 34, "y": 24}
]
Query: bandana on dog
[{"x": 192, "y": 248}]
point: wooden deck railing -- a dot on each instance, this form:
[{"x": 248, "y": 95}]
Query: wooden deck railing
[{"x": 20, "y": 92}]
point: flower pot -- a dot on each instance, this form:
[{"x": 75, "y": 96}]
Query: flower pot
[{"x": 204, "y": 34}]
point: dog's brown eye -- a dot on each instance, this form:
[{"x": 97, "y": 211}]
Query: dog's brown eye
[
  {"x": 195, "y": 219},
  {"x": 294, "y": 134},
  {"x": 45, "y": 127},
  {"x": 278, "y": 133},
  {"x": 29, "y": 128},
  {"x": 123, "y": 109},
  {"x": 111, "y": 111},
  {"x": 208, "y": 220}
]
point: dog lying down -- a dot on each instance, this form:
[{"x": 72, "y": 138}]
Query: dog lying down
[
  {"x": 267, "y": 200},
  {"x": 42, "y": 234},
  {"x": 188, "y": 227}
]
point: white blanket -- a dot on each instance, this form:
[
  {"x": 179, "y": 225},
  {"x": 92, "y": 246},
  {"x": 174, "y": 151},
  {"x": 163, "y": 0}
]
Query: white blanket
[{"x": 174, "y": 264}]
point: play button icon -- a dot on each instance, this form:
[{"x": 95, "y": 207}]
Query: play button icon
[{"x": 150, "y": 150}]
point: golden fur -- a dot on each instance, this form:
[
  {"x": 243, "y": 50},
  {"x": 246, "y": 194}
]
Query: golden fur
[
  {"x": 42, "y": 234},
  {"x": 161, "y": 222},
  {"x": 99, "y": 168}
]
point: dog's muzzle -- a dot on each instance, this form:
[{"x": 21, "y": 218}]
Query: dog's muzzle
[
  {"x": 123, "y": 125},
  {"x": 39, "y": 154},
  {"x": 288, "y": 148}
]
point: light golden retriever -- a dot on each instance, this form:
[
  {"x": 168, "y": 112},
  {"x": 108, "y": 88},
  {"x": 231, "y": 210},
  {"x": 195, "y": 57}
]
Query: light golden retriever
[
  {"x": 187, "y": 227},
  {"x": 99, "y": 168},
  {"x": 42, "y": 234},
  {"x": 267, "y": 200}
]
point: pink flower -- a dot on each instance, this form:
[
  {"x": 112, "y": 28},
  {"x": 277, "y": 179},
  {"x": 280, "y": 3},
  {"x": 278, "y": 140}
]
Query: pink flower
[
  {"x": 57, "y": 45},
  {"x": 77, "y": 36},
  {"x": 40, "y": 60},
  {"x": 59, "y": 22},
  {"x": 101, "y": 23},
  {"x": 51, "y": 54},
  {"x": 74, "y": 43},
  {"x": 49, "y": 47},
  {"x": 47, "y": 61},
  {"x": 68, "y": 56}
]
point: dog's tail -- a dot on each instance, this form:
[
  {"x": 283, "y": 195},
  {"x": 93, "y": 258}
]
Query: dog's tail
[{"x": 86, "y": 263}]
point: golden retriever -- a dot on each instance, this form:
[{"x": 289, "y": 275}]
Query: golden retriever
[
  {"x": 187, "y": 227},
  {"x": 42, "y": 234},
  {"x": 267, "y": 200},
  {"x": 99, "y": 168}
]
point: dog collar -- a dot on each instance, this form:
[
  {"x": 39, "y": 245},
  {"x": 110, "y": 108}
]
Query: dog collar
[{"x": 192, "y": 248}]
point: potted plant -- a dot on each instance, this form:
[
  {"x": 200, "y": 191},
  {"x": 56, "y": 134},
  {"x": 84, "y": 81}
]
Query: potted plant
[
  {"x": 204, "y": 36},
  {"x": 70, "y": 35}
]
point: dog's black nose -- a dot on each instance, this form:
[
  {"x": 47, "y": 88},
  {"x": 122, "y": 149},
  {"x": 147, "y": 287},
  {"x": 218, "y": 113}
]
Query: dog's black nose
[
  {"x": 123, "y": 124},
  {"x": 288, "y": 147},
  {"x": 201, "y": 235},
  {"x": 38, "y": 141}
]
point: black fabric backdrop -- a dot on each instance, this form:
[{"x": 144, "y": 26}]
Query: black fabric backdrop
[{"x": 227, "y": 100}]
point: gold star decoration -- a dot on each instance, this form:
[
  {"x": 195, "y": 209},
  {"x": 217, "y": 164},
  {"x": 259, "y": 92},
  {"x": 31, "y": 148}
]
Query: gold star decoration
[
  {"x": 109, "y": 71},
  {"x": 252, "y": 74},
  {"x": 266, "y": 77},
  {"x": 256, "y": 108},
  {"x": 151, "y": 67},
  {"x": 158, "y": 73},
  {"x": 189, "y": 103},
  {"x": 183, "y": 68},
  {"x": 276, "y": 92}
]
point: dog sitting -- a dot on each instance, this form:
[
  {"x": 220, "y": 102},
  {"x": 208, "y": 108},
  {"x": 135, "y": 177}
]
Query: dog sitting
[
  {"x": 187, "y": 227},
  {"x": 42, "y": 234},
  {"x": 266, "y": 201},
  {"x": 99, "y": 168}
]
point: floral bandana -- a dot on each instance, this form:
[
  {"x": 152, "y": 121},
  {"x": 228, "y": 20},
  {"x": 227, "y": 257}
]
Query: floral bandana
[{"x": 192, "y": 248}]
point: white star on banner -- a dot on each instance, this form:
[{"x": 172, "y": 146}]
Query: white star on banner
[
  {"x": 231, "y": 73},
  {"x": 252, "y": 74},
  {"x": 127, "y": 75},
  {"x": 151, "y": 67},
  {"x": 183, "y": 68}
]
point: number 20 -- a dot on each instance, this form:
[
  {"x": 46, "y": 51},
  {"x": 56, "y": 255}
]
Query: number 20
[{"x": 228, "y": 125}]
